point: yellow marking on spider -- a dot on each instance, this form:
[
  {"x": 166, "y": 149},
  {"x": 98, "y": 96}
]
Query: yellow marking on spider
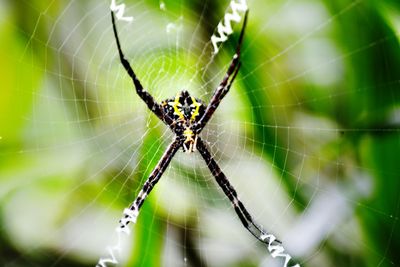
[
  {"x": 189, "y": 139},
  {"x": 175, "y": 105},
  {"x": 196, "y": 111},
  {"x": 188, "y": 134}
]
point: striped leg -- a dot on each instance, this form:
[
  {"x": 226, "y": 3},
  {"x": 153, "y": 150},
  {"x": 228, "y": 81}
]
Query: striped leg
[
  {"x": 133, "y": 211},
  {"x": 226, "y": 83},
  {"x": 244, "y": 216},
  {"x": 144, "y": 95}
]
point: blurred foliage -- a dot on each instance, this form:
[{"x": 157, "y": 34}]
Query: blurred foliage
[{"x": 313, "y": 120}]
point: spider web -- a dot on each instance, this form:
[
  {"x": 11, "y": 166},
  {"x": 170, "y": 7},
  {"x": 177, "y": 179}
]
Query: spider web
[{"x": 308, "y": 145}]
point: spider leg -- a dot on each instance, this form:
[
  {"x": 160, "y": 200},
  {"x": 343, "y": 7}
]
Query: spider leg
[
  {"x": 224, "y": 92},
  {"x": 244, "y": 216},
  {"x": 225, "y": 84},
  {"x": 144, "y": 95},
  {"x": 155, "y": 176}
]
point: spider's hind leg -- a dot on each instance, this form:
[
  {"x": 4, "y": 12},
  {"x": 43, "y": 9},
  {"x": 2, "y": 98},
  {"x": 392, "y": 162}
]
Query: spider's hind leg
[
  {"x": 143, "y": 94},
  {"x": 225, "y": 84}
]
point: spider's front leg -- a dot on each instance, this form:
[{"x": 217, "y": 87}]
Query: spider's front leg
[
  {"x": 132, "y": 212},
  {"x": 244, "y": 216},
  {"x": 144, "y": 95},
  {"x": 225, "y": 85}
]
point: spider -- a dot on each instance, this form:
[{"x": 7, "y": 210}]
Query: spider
[{"x": 187, "y": 116}]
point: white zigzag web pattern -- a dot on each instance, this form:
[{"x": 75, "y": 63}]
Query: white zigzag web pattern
[
  {"x": 130, "y": 216},
  {"x": 277, "y": 250},
  {"x": 225, "y": 28},
  {"x": 119, "y": 11}
]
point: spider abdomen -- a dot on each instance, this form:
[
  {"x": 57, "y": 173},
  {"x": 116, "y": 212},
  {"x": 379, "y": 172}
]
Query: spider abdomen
[{"x": 183, "y": 108}]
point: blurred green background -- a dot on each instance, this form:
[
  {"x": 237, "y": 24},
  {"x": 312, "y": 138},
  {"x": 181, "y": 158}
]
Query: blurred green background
[{"x": 309, "y": 134}]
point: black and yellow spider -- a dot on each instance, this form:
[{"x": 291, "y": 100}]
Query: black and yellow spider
[{"x": 187, "y": 116}]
